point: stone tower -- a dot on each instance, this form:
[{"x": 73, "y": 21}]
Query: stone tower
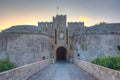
[{"x": 61, "y": 38}]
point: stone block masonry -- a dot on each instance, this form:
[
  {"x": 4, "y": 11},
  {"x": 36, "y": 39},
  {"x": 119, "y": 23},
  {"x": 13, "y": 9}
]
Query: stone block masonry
[
  {"x": 24, "y": 72},
  {"x": 99, "y": 72},
  {"x": 24, "y": 49},
  {"x": 93, "y": 46}
]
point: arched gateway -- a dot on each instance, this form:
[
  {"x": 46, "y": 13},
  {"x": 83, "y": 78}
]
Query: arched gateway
[{"x": 61, "y": 54}]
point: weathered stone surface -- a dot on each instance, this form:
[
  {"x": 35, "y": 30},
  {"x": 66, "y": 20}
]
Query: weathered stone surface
[
  {"x": 2, "y": 55},
  {"x": 99, "y": 72},
  {"x": 93, "y": 46},
  {"x": 74, "y": 26},
  {"x": 25, "y": 48},
  {"x": 24, "y": 72}
]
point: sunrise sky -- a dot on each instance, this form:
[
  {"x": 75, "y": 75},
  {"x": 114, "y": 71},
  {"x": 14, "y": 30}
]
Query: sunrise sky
[{"x": 22, "y": 12}]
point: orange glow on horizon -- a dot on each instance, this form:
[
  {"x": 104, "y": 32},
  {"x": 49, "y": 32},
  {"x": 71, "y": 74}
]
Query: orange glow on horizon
[
  {"x": 21, "y": 20},
  {"x": 84, "y": 18},
  {"x": 32, "y": 20}
]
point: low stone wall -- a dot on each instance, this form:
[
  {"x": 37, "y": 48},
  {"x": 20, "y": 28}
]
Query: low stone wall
[
  {"x": 99, "y": 72},
  {"x": 24, "y": 72}
]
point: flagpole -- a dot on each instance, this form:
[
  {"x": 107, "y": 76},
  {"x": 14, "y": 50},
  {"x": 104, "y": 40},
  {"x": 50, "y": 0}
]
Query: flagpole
[{"x": 57, "y": 9}]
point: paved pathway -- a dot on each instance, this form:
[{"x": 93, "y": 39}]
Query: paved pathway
[{"x": 62, "y": 71}]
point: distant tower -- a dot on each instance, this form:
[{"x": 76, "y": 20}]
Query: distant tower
[
  {"x": 60, "y": 29},
  {"x": 61, "y": 38},
  {"x": 73, "y": 26}
]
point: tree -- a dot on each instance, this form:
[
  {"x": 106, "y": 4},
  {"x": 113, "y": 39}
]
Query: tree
[{"x": 101, "y": 23}]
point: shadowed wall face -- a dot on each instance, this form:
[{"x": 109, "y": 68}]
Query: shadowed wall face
[{"x": 61, "y": 54}]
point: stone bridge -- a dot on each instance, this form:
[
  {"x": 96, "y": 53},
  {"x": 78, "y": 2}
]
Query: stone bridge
[
  {"x": 44, "y": 70},
  {"x": 62, "y": 71}
]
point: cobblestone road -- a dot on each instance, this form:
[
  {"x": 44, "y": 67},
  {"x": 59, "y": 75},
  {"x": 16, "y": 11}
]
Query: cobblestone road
[{"x": 62, "y": 71}]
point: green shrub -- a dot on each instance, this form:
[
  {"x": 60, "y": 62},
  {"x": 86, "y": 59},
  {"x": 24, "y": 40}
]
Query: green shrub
[
  {"x": 6, "y": 64},
  {"x": 110, "y": 62}
]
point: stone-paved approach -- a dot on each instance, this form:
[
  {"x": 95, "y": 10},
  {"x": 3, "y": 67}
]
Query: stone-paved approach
[{"x": 62, "y": 71}]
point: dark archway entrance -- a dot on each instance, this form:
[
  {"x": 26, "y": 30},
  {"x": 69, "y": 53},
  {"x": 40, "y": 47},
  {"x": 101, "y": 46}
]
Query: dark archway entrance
[{"x": 61, "y": 54}]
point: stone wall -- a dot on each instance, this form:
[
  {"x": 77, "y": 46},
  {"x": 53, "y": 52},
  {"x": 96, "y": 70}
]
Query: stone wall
[
  {"x": 24, "y": 72},
  {"x": 46, "y": 27},
  {"x": 99, "y": 72},
  {"x": 25, "y": 48},
  {"x": 74, "y": 26},
  {"x": 95, "y": 45}
]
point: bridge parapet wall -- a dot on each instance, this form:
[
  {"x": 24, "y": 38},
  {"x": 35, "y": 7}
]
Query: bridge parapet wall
[
  {"x": 24, "y": 72},
  {"x": 99, "y": 72}
]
